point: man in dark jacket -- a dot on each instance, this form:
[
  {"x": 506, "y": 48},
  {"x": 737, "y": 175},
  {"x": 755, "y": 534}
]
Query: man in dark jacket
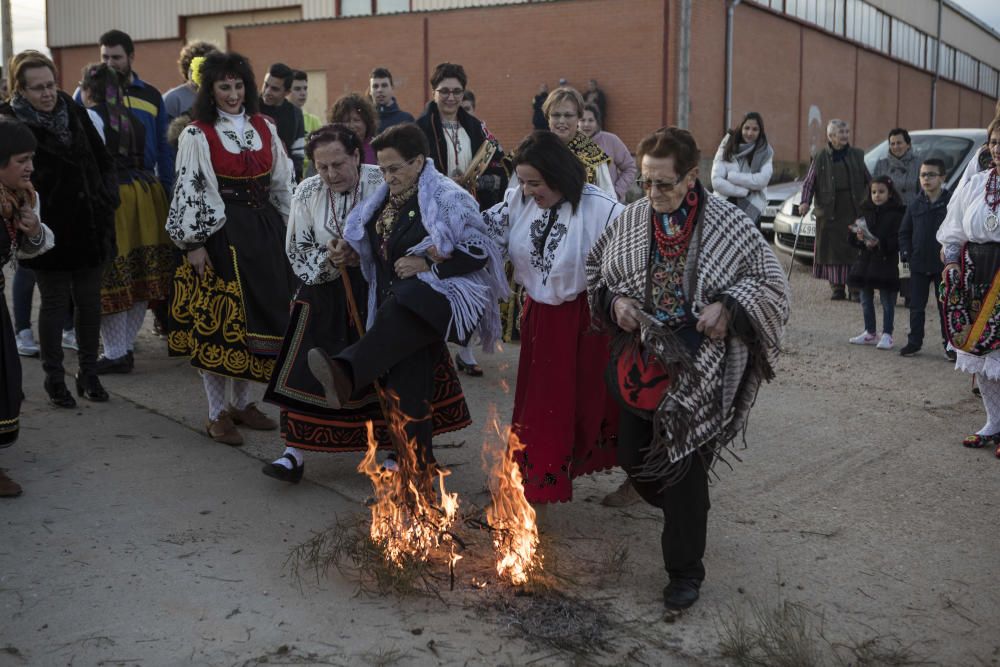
[
  {"x": 380, "y": 88},
  {"x": 918, "y": 245},
  {"x": 287, "y": 117}
]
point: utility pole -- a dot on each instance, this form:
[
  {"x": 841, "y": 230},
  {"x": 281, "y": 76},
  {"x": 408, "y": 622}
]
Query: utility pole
[
  {"x": 684, "y": 66},
  {"x": 8, "y": 34},
  {"x": 937, "y": 68},
  {"x": 730, "y": 20}
]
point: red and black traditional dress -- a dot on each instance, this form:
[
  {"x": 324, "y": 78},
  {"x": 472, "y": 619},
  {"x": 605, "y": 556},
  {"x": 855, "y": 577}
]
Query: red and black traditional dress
[
  {"x": 562, "y": 411},
  {"x": 231, "y": 196},
  {"x": 321, "y": 318},
  {"x": 14, "y": 242}
]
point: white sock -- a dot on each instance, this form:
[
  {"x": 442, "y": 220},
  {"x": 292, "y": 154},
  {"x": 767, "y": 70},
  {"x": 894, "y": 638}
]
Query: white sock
[
  {"x": 136, "y": 316},
  {"x": 294, "y": 453},
  {"x": 241, "y": 394},
  {"x": 114, "y": 334},
  {"x": 990, "y": 390},
  {"x": 215, "y": 391},
  {"x": 466, "y": 355}
]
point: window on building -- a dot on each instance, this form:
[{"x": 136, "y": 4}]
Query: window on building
[
  {"x": 392, "y": 6},
  {"x": 908, "y": 43},
  {"x": 989, "y": 79},
  {"x": 867, "y": 25},
  {"x": 966, "y": 69},
  {"x": 355, "y": 7}
]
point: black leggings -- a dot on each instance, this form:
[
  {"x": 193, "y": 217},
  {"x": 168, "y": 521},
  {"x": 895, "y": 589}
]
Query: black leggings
[{"x": 81, "y": 287}]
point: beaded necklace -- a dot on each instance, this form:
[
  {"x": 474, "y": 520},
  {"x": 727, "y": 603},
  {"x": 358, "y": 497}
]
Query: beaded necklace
[
  {"x": 672, "y": 246},
  {"x": 992, "y": 198},
  {"x": 336, "y": 217},
  {"x": 452, "y": 129}
]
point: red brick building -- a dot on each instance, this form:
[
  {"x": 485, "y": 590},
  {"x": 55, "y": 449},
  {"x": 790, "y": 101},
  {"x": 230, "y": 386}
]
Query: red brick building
[{"x": 797, "y": 62}]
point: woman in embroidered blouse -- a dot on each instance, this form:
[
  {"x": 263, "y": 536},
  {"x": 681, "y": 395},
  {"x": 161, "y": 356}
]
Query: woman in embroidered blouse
[
  {"x": 563, "y": 108},
  {"x": 230, "y": 201},
  {"x": 357, "y": 113},
  {"x": 970, "y": 242},
  {"x": 547, "y": 225},
  {"x": 433, "y": 276},
  {"x": 321, "y": 315},
  {"x": 697, "y": 303},
  {"x": 25, "y": 236}
]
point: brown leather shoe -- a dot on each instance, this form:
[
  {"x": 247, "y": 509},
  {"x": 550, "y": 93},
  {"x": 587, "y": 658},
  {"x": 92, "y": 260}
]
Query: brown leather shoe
[
  {"x": 8, "y": 487},
  {"x": 224, "y": 430},
  {"x": 623, "y": 496},
  {"x": 251, "y": 416},
  {"x": 337, "y": 384}
]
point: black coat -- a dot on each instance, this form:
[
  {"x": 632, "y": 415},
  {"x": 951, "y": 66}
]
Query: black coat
[
  {"x": 878, "y": 267},
  {"x": 918, "y": 243},
  {"x": 78, "y": 189},
  {"x": 430, "y": 123}
]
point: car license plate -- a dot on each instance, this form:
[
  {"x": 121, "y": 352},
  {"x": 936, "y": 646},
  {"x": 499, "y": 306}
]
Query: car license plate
[
  {"x": 770, "y": 212},
  {"x": 807, "y": 229}
]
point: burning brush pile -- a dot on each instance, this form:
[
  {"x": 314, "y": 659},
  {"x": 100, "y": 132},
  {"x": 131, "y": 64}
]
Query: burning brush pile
[{"x": 413, "y": 542}]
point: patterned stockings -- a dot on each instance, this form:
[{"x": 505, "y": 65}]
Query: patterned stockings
[
  {"x": 215, "y": 391},
  {"x": 119, "y": 330},
  {"x": 990, "y": 390}
]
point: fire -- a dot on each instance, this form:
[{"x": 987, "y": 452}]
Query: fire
[
  {"x": 510, "y": 516},
  {"x": 408, "y": 518}
]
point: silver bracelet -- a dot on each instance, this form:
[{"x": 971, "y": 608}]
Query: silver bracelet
[{"x": 38, "y": 239}]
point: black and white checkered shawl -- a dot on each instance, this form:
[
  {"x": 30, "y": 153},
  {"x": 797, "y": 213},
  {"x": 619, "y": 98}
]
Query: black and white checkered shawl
[{"x": 709, "y": 400}]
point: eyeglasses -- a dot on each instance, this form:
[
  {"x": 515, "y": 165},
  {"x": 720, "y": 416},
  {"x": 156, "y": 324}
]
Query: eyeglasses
[
  {"x": 42, "y": 87},
  {"x": 563, "y": 116},
  {"x": 929, "y": 174},
  {"x": 450, "y": 92},
  {"x": 394, "y": 169},
  {"x": 662, "y": 186}
]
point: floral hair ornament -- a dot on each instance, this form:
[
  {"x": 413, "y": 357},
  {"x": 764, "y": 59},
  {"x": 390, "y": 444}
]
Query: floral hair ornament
[{"x": 195, "y": 69}]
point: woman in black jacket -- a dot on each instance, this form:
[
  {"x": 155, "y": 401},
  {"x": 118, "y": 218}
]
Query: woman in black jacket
[
  {"x": 877, "y": 264},
  {"x": 76, "y": 181},
  {"x": 455, "y": 136}
]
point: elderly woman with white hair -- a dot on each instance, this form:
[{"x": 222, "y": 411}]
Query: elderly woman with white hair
[{"x": 837, "y": 179}]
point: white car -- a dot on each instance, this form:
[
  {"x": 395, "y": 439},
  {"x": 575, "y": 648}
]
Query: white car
[
  {"x": 954, "y": 147},
  {"x": 776, "y": 195}
]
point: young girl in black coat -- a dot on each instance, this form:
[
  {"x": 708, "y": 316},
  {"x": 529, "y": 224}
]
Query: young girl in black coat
[{"x": 877, "y": 264}]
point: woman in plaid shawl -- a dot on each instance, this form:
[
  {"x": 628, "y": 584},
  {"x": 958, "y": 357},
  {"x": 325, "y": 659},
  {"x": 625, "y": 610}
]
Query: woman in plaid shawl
[{"x": 697, "y": 303}]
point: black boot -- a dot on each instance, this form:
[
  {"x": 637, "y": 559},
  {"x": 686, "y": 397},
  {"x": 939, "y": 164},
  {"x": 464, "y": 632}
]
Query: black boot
[
  {"x": 89, "y": 387},
  {"x": 59, "y": 395}
]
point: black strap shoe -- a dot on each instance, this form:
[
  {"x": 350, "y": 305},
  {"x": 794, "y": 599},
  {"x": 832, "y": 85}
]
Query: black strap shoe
[
  {"x": 107, "y": 365},
  {"x": 278, "y": 471}
]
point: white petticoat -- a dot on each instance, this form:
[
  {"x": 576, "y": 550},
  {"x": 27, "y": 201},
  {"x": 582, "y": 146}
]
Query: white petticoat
[{"x": 987, "y": 365}]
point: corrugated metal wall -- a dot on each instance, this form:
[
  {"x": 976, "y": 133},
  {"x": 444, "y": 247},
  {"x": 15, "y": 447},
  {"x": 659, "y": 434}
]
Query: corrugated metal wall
[{"x": 72, "y": 22}]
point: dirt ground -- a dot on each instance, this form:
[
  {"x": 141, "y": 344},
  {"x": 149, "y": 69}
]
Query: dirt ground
[{"x": 854, "y": 521}]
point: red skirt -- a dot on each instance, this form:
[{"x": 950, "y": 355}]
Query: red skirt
[{"x": 563, "y": 413}]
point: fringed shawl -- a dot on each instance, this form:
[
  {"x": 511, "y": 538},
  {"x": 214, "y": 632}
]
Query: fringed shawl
[
  {"x": 452, "y": 219},
  {"x": 708, "y": 402}
]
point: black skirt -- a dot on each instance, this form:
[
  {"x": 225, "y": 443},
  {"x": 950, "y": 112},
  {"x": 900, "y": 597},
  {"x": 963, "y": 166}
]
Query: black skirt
[
  {"x": 232, "y": 321},
  {"x": 320, "y": 318}
]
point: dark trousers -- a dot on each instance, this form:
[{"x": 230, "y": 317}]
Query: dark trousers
[
  {"x": 82, "y": 287},
  {"x": 22, "y": 292},
  {"x": 685, "y": 504},
  {"x": 920, "y": 283},
  {"x": 399, "y": 349}
]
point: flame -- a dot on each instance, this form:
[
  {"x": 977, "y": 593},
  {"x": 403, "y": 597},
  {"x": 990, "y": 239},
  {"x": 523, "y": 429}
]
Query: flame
[
  {"x": 408, "y": 518},
  {"x": 510, "y": 516}
]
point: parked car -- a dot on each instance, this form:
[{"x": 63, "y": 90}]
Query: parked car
[
  {"x": 954, "y": 147},
  {"x": 776, "y": 195}
]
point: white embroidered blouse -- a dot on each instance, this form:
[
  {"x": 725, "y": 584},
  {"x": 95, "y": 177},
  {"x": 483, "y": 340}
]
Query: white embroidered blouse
[
  {"x": 968, "y": 217},
  {"x": 197, "y": 209},
  {"x": 549, "y": 247},
  {"x": 317, "y": 216}
]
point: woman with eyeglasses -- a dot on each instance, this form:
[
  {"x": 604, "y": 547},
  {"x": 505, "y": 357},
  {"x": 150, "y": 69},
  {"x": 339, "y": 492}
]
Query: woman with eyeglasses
[
  {"x": 454, "y": 136},
  {"x": 696, "y": 303},
  {"x": 78, "y": 186},
  {"x": 357, "y": 113},
  {"x": 321, "y": 314},
  {"x": 546, "y": 225},
  {"x": 433, "y": 276},
  {"x": 564, "y": 109},
  {"x": 231, "y": 197}
]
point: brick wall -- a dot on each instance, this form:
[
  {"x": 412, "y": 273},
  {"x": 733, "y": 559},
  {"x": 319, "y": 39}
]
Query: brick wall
[{"x": 155, "y": 61}]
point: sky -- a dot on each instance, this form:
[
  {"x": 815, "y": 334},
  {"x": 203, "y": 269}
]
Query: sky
[{"x": 29, "y": 20}]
